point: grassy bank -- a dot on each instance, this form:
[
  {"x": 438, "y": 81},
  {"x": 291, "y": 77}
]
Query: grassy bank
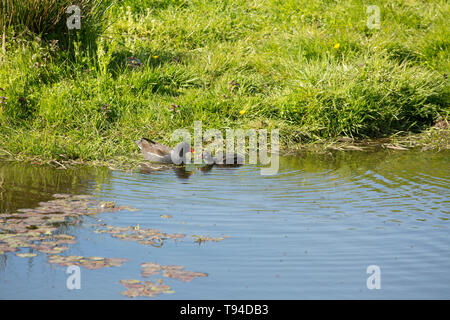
[{"x": 312, "y": 69}]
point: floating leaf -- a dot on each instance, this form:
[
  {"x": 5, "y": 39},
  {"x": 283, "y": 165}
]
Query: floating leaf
[
  {"x": 6, "y": 248},
  {"x": 95, "y": 258},
  {"x": 157, "y": 243},
  {"x": 128, "y": 208},
  {"x": 107, "y": 204},
  {"x": 149, "y": 268},
  {"x": 178, "y": 272},
  {"x": 61, "y": 195},
  {"x": 201, "y": 239},
  {"x": 176, "y": 236},
  {"x": 131, "y": 283},
  {"x": 131, "y": 293},
  {"x": 92, "y": 263},
  {"x": 171, "y": 271},
  {"x": 144, "y": 236},
  {"x": 26, "y": 255},
  {"x": 33, "y": 227},
  {"x": 144, "y": 289},
  {"x": 116, "y": 262}
]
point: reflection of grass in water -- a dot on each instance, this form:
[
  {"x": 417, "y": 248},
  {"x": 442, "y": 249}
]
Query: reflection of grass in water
[
  {"x": 3, "y": 260},
  {"x": 347, "y": 161},
  {"x": 24, "y": 185},
  {"x": 351, "y": 163}
]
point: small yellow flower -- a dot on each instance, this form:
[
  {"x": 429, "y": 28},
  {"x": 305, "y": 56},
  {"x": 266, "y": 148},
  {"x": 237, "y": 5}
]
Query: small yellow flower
[
  {"x": 155, "y": 57},
  {"x": 337, "y": 46},
  {"x": 242, "y": 111}
]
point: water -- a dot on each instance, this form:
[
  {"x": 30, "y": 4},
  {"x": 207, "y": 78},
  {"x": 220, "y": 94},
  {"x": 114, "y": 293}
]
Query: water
[{"x": 309, "y": 232}]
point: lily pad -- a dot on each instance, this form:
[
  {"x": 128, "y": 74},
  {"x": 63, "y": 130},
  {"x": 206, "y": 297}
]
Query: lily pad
[
  {"x": 95, "y": 258},
  {"x": 36, "y": 227},
  {"x": 183, "y": 275},
  {"x": 116, "y": 262},
  {"x": 153, "y": 237},
  {"x": 127, "y": 208},
  {"x": 92, "y": 263},
  {"x": 150, "y": 268},
  {"x": 26, "y": 255},
  {"x": 61, "y": 195},
  {"x": 107, "y": 204},
  {"x": 170, "y": 271},
  {"x": 6, "y": 248},
  {"x": 201, "y": 239},
  {"x": 144, "y": 289}
]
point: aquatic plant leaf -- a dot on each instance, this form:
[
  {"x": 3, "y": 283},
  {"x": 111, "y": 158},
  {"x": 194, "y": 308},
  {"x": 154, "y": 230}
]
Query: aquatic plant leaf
[
  {"x": 92, "y": 263},
  {"x": 157, "y": 243},
  {"x": 61, "y": 195},
  {"x": 26, "y": 255},
  {"x": 201, "y": 239},
  {"x": 36, "y": 227},
  {"x": 95, "y": 258},
  {"x": 116, "y": 262},
  {"x": 65, "y": 242},
  {"x": 183, "y": 275},
  {"x": 153, "y": 237},
  {"x": 55, "y": 219},
  {"x": 170, "y": 271},
  {"x": 132, "y": 292},
  {"x": 107, "y": 204},
  {"x": 6, "y": 248},
  {"x": 149, "y": 268},
  {"x": 144, "y": 289},
  {"x": 127, "y": 208},
  {"x": 132, "y": 283},
  {"x": 176, "y": 236},
  {"x": 50, "y": 249}
]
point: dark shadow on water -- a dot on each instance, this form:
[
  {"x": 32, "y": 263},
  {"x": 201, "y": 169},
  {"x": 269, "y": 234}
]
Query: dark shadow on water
[{"x": 23, "y": 185}]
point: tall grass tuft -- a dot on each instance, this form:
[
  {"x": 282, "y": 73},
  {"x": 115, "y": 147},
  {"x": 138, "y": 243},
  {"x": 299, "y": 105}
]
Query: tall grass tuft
[{"x": 48, "y": 19}]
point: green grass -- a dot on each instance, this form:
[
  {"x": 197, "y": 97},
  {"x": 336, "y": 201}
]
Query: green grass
[{"x": 88, "y": 105}]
